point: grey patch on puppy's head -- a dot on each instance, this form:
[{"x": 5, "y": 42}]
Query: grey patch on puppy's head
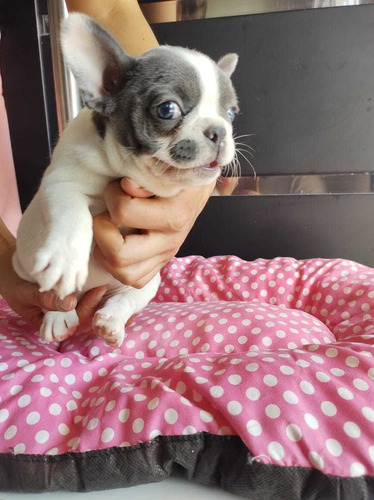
[
  {"x": 126, "y": 90},
  {"x": 158, "y": 77},
  {"x": 100, "y": 123}
]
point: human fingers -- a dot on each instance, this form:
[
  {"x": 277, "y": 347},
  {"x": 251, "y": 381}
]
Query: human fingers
[
  {"x": 136, "y": 275},
  {"x": 50, "y": 301},
  {"x": 24, "y": 297},
  {"x": 37, "y": 302},
  {"x": 132, "y": 189},
  {"x": 123, "y": 251},
  {"x": 226, "y": 185},
  {"x": 29, "y": 303},
  {"x": 141, "y": 247},
  {"x": 33, "y": 316},
  {"x": 108, "y": 237},
  {"x": 88, "y": 305},
  {"x": 161, "y": 214}
]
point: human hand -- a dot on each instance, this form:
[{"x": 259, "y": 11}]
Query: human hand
[
  {"x": 226, "y": 185},
  {"x": 164, "y": 224},
  {"x": 26, "y": 300}
]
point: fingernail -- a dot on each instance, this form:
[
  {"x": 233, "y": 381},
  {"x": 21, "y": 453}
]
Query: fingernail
[{"x": 66, "y": 304}]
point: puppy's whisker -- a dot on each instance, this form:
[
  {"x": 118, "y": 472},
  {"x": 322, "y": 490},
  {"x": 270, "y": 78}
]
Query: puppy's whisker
[
  {"x": 243, "y": 135},
  {"x": 119, "y": 169},
  {"x": 237, "y": 166},
  {"x": 246, "y": 145},
  {"x": 244, "y": 148},
  {"x": 236, "y": 137},
  {"x": 245, "y": 151},
  {"x": 233, "y": 167},
  {"x": 248, "y": 161},
  {"x": 163, "y": 168}
]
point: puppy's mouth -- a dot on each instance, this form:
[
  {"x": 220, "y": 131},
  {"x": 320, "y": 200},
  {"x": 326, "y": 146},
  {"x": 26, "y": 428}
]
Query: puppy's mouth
[
  {"x": 212, "y": 166},
  {"x": 203, "y": 172},
  {"x": 211, "y": 169}
]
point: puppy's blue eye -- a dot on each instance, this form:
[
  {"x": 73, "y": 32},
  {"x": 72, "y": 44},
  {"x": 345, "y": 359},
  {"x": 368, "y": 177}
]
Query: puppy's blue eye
[
  {"x": 168, "y": 110},
  {"x": 232, "y": 113}
]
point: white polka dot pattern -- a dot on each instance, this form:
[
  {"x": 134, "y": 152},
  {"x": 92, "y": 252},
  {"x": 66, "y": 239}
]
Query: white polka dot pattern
[{"x": 278, "y": 351}]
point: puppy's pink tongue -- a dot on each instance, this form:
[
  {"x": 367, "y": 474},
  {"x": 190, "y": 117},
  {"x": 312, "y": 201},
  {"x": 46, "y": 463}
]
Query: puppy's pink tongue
[{"x": 213, "y": 164}]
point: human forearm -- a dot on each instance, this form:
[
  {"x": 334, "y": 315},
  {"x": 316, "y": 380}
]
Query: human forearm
[
  {"x": 122, "y": 18},
  {"x": 7, "y": 240}
]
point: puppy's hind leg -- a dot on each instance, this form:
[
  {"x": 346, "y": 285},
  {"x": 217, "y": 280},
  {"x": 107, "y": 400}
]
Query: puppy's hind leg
[
  {"x": 109, "y": 321},
  {"x": 57, "y": 325}
]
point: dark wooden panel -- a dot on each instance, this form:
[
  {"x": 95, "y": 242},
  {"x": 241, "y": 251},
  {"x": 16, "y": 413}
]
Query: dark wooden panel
[{"x": 324, "y": 226}]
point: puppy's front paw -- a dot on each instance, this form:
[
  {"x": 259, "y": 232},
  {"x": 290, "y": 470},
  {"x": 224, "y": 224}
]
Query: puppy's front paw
[
  {"x": 109, "y": 327},
  {"x": 62, "y": 266},
  {"x": 57, "y": 326}
]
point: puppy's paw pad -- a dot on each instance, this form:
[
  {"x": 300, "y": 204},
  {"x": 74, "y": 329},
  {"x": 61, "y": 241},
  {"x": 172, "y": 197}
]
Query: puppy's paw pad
[
  {"x": 109, "y": 328},
  {"x": 58, "y": 326}
]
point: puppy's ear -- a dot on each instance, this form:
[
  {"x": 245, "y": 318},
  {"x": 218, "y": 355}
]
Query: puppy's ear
[
  {"x": 228, "y": 63},
  {"x": 96, "y": 60}
]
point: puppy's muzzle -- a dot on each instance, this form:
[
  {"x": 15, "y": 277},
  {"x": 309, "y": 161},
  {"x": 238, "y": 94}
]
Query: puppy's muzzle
[
  {"x": 184, "y": 150},
  {"x": 187, "y": 149},
  {"x": 215, "y": 134}
]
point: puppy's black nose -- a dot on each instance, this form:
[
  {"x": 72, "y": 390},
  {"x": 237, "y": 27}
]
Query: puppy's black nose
[{"x": 215, "y": 134}]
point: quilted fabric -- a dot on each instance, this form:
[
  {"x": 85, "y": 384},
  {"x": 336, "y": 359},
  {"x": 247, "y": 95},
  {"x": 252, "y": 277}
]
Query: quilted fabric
[{"x": 278, "y": 352}]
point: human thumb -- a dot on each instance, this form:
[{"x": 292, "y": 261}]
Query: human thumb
[{"x": 50, "y": 301}]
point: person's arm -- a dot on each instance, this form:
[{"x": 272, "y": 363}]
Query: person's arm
[
  {"x": 24, "y": 297},
  {"x": 123, "y": 19},
  {"x": 7, "y": 240}
]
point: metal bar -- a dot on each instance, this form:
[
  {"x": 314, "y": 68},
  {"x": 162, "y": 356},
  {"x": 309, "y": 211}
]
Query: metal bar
[
  {"x": 43, "y": 31},
  {"x": 289, "y": 184},
  {"x": 67, "y": 94}
]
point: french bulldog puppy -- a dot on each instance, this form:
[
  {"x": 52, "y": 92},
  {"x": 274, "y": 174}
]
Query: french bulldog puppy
[{"x": 163, "y": 120}]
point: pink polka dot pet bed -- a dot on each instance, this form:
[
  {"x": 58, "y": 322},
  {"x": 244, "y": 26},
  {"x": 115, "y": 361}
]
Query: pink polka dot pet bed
[{"x": 257, "y": 376}]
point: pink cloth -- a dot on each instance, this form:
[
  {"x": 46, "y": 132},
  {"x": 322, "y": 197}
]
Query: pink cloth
[
  {"x": 279, "y": 352},
  {"x": 10, "y": 211}
]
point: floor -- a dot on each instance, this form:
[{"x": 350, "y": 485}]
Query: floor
[{"x": 170, "y": 489}]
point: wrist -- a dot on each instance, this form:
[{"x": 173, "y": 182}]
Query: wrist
[
  {"x": 7, "y": 244},
  {"x": 6, "y": 268},
  {"x": 7, "y": 240},
  {"x": 7, "y": 247}
]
